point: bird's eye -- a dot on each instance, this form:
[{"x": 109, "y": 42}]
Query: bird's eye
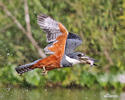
[{"x": 79, "y": 55}]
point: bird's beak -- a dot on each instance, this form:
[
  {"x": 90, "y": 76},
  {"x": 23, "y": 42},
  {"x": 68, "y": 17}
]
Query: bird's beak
[{"x": 87, "y": 60}]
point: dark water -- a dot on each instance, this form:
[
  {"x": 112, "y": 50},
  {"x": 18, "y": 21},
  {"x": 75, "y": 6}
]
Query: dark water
[{"x": 58, "y": 94}]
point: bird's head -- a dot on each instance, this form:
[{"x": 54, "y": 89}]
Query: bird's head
[{"x": 82, "y": 58}]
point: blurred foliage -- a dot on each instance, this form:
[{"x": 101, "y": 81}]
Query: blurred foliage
[{"x": 100, "y": 23}]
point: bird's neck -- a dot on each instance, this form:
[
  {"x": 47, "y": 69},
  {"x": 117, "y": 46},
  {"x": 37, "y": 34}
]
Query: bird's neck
[
  {"x": 68, "y": 61},
  {"x": 72, "y": 60}
]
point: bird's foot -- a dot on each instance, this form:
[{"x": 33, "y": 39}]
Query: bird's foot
[{"x": 44, "y": 72}]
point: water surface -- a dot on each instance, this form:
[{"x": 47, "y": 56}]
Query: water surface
[{"x": 58, "y": 94}]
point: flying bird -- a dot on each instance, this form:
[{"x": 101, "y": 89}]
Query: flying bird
[{"x": 61, "y": 48}]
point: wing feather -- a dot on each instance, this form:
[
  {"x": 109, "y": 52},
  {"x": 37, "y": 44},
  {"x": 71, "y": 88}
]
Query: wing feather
[
  {"x": 50, "y": 26},
  {"x": 56, "y": 35},
  {"x": 73, "y": 41}
]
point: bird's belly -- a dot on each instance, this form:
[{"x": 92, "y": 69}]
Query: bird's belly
[{"x": 50, "y": 62}]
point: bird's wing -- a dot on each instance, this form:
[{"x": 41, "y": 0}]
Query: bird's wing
[
  {"x": 72, "y": 42},
  {"x": 56, "y": 34}
]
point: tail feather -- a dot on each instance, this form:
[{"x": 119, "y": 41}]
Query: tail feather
[{"x": 25, "y": 68}]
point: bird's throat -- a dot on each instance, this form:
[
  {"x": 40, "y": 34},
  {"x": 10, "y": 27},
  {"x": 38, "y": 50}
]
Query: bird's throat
[{"x": 71, "y": 60}]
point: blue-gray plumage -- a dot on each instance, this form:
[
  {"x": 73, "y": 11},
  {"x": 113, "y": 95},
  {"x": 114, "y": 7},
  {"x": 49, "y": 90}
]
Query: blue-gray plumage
[
  {"x": 72, "y": 42},
  {"x": 71, "y": 57}
]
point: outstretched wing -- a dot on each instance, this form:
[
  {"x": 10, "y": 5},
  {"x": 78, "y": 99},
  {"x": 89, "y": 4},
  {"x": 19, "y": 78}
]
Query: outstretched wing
[
  {"x": 73, "y": 41},
  {"x": 56, "y": 34}
]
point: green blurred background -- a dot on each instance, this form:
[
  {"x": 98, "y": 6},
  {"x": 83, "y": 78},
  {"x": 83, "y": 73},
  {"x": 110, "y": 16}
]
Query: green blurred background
[{"x": 101, "y": 25}]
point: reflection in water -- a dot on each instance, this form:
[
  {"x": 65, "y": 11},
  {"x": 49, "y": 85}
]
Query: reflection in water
[
  {"x": 122, "y": 97},
  {"x": 56, "y": 94}
]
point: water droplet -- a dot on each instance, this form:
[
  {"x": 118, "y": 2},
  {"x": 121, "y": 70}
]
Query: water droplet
[
  {"x": 8, "y": 54},
  {"x": 8, "y": 89},
  {"x": 45, "y": 90}
]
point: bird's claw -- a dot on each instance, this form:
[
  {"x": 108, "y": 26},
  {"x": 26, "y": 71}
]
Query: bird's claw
[{"x": 44, "y": 72}]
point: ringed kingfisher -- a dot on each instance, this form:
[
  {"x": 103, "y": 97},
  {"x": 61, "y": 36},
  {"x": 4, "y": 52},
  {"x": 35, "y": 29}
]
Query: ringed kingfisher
[{"x": 61, "y": 48}]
